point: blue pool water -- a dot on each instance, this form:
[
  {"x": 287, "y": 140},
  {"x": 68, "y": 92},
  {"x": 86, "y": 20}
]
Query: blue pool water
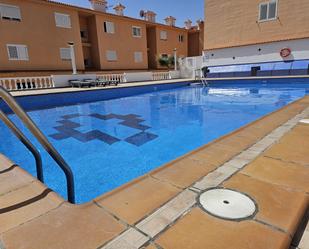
[{"x": 108, "y": 143}]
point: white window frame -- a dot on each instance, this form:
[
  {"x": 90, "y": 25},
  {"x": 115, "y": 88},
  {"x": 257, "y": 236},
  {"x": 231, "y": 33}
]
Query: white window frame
[
  {"x": 137, "y": 28},
  {"x": 14, "y": 18},
  {"x": 165, "y": 37},
  {"x": 110, "y": 27},
  {"x": 19, "y": 52},
  {"x": 138, "y": 57},
  {"x": 111, "y": 55},
  {"x": 267, "y": 13},
  {"x": 64, "y": 52},
  {"x": 61, "y": 25}
]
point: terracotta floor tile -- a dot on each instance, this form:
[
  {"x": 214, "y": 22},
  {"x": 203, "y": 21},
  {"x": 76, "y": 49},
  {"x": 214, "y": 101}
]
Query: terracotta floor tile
[
  {"x": 78, "y": 227},
  {"x": 23, "y": 214},
  {"x": 198, "y": 230},
  {"x": 294, "y": 176},
  {"x": 151, "y": 246},
  {"x": 184, "y": 173},
  {"x": 277, "y": 206},
  {"x": 5, "y": 163},
  {"x": 133, "y": 202},
  {"x": 220, "y": 152},
  {"x": 14, "y": 179},
  {"x": 290, "y": 150}
]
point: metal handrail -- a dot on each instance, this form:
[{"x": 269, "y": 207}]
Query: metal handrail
[
  {"x": 27, "y": 143},
  {"x": 17, "y": 109}
]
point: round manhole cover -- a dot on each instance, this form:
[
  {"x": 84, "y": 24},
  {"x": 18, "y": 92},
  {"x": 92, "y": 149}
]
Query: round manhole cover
[
  {"x": 227, "y": 204},
  {"x": 304, "y": 121}
]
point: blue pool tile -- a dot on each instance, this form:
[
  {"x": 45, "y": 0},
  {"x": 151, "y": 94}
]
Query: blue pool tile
[
  {"x": 141, "y": 138},
  {"x": 135, "y": 125}
]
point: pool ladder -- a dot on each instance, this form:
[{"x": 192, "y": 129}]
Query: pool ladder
[{"x": 28, "y": 122}]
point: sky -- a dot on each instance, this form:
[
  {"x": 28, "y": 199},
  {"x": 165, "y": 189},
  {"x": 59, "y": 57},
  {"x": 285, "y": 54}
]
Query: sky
[{"x": 180, "y": 9}]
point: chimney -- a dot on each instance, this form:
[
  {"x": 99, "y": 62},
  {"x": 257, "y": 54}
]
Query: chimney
[
  {"x": 150, "y": 16},
  {"x": 200, "y": 24},
  {"x": 119, "y": 8},
  {"x": 98, "y": 5},
  {"x": 188, "y": 24},
  {"x": 170, "y": 21}
]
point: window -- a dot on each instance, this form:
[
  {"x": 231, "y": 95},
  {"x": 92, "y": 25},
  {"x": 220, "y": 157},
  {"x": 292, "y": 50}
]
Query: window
[
  {"x": 63, "y": 20},
  {"x": 111, "y": 55},
  {"x": 109, "y": 27},
  {"x": 163, "y": 35},
  {"x": 138, "y": 57},
  {"x": 136, "y": 31},
  {"x": 65, "y": 53},
  {"x": 10, "y": 12},
  {"x": 180, "y": 38},
  {"x": 84, "y": 34},
  {"x": 268, "y": 11},
  {"x": 17, "y": 52},
  {"x": 164, "y": 56}
]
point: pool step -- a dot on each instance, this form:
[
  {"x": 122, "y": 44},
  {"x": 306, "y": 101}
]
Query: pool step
[{"x": 22, "y": 197}]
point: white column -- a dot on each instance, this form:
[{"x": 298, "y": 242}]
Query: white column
[
  {"x": 73, "y": 61},
  {"x": 175, "y": 58}
]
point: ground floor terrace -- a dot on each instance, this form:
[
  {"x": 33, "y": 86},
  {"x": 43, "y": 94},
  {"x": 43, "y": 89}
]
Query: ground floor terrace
[{"x": 267, "y": 160}]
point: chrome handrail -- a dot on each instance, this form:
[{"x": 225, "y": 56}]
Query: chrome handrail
[
  {"x": 26, "y": 142},
  {"x": 17, "y": 109}
]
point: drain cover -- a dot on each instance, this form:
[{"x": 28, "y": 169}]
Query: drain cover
[
  {"x": 227, "y": 204},
  {"x": 304, "y": 121}
]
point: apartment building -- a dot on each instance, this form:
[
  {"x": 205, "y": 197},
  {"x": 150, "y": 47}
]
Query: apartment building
[
  {"x": 242, "y": 31},
  {"x": 195, "y": 37},
  {"x": 163, "y": 40},
  {"x": 35, "y": 36}
]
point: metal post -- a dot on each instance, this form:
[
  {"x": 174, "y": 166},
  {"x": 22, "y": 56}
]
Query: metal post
[
  {"x": 27, "y": 143},
  {"x": 175, "y": 58},
  {"x": 73, "y": 60}
]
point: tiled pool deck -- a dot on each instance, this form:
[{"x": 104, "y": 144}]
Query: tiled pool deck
[{"x": 267, "y": 160}]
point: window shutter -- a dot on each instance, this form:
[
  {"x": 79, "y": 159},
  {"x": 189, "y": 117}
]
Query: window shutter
[
  {"x": 163, "y": 35},
  {"x": 22, "y": 53},
  {"x": 263, "y": 11},
  {"x": 138, "y": 57},
  {"x": 17, "y": 52},
  {"x": 111, "y": 55},
  {"x": 272, "y": 10},
  {"x": 63, "y": 20},
  {"x": 10, "y": 12},
  {"x": 109, "y": 27},
  {"x": 65, "y": 53}
]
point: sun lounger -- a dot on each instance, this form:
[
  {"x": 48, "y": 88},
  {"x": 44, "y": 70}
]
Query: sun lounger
[
  {"x": 101, "y": 82},
  {"x": 82, "y": 83}
]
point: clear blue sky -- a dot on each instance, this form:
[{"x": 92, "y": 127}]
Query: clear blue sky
[{"x": 181, "y": 9}]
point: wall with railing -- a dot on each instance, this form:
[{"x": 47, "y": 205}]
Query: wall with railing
[{"x": 27, "y": 83}]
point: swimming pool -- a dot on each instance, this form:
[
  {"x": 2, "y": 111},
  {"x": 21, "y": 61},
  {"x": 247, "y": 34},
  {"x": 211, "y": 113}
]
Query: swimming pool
[{"x": 111, "y": 142}]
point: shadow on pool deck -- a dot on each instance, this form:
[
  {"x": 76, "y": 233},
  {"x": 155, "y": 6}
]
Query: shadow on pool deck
[{"x": 255, "y": 160}]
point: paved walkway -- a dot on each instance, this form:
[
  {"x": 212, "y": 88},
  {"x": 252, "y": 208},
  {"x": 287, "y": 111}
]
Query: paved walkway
[{"x": 267, "y": 160}]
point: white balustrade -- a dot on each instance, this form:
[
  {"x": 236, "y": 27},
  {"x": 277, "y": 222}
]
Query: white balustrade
[
  {"x": 112, "y": 77},
  {"x": 161, "y": 76},
  {"x": 25, "y": 83}
]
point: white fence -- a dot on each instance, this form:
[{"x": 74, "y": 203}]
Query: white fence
[
  {"x": 24, "y": 83},
  {"x": 161, "y": 76},
  {"x": 112, "y": 77}
]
